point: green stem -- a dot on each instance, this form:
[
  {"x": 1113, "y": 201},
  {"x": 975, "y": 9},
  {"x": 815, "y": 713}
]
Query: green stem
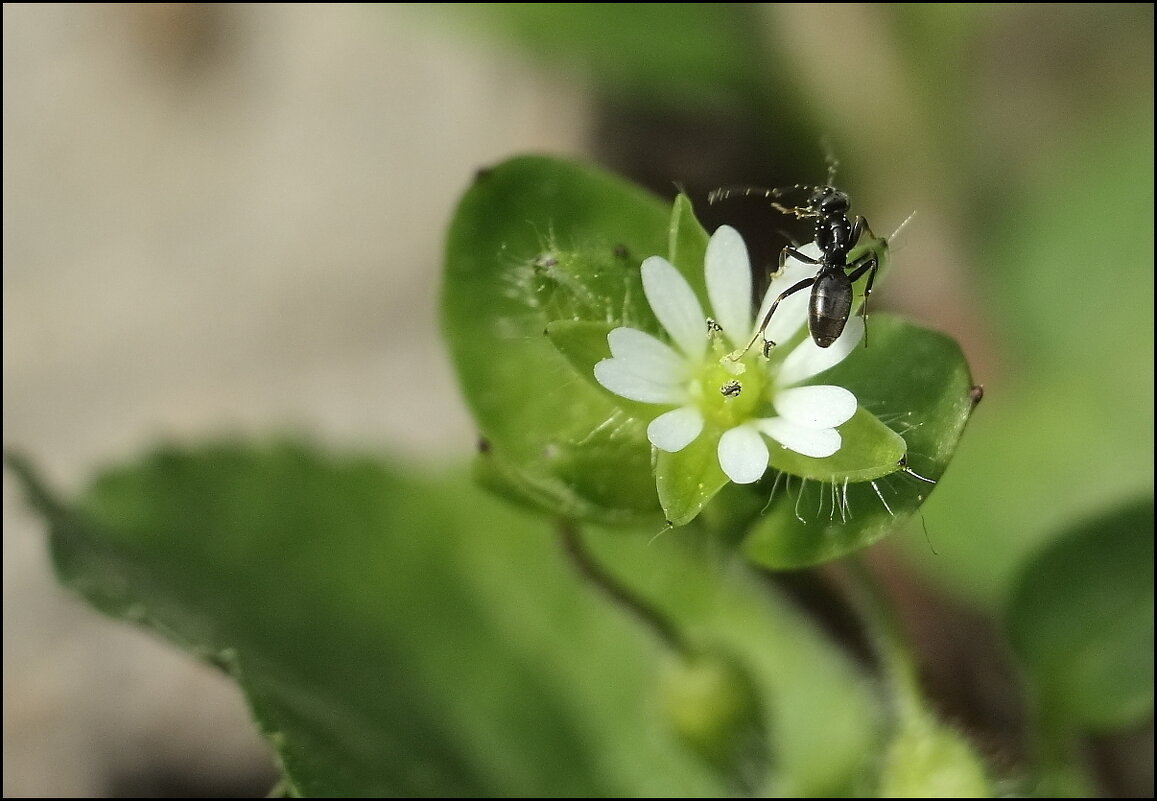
[
  {"x": 887, "y": 639},
  {"x": 924, "y": 758},
  {"x": 619, "y": 594}
]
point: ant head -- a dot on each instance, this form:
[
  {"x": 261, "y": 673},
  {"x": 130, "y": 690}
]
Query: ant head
[{"x": 827, "y": 200}]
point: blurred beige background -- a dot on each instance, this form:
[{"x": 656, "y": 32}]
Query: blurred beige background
[{"x": 218, "y": 218}]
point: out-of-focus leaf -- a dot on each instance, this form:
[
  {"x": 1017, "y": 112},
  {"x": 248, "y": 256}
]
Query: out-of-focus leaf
[
  {"x": 678, "y": 54},
  {"x": 1081, "y": 619},
  {"x": 1067, "y": 425},
  {"x": 399, "y": 635},
  {"x": 395, "y": 636}
]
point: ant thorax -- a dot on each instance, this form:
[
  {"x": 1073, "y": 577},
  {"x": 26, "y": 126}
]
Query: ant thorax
[{"x": 836, "y": 235}]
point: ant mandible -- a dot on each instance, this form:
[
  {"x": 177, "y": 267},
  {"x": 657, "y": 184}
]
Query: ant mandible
[{"x": 836, "y": 236}]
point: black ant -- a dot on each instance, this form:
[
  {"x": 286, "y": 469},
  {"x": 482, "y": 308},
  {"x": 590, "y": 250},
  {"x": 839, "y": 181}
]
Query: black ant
[{"x": 835, "y": 235}]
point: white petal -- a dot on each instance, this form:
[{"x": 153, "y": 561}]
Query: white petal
[
  {"x": 675, "y": 305},
  {"x": 675, "y": 430},
  {"x": 791, "y": 313},
  {"x": 620, "y": 378},
  {"x": 743, "y": 454},
  {"x": 816, "y": 407},
  {"x": 728, "y": 272},
  {"x": 646, "y": 356},
  {"x": 815, "y": 442},
  {"x": 810, "y": 249},
  {"x": 808, "y": 358}
]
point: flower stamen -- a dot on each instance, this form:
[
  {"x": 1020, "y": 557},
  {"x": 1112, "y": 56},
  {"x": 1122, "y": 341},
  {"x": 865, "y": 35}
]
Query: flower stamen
[{"x": 700, "y": 379}]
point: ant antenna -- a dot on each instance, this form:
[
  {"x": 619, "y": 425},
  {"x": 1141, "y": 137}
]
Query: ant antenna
[
  {"x": 891, "y": 238},
  {"x": 716, "y": 195},
  {"x": 830, "y": 158}
]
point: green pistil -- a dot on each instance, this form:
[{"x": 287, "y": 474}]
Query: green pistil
[{"x": 731, "y": 392}]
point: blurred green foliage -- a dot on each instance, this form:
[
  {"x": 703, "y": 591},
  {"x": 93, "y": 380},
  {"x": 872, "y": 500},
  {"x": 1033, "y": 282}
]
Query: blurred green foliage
[
  {"x": 1030, "y": 131},
  {"x": 404, "y": 635}
]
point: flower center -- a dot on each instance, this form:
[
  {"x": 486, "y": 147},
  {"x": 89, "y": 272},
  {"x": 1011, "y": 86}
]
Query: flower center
[{"x": 730, "y": 392}]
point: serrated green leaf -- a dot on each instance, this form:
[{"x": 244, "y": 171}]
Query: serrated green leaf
[{"x": 1081, "y": 619}]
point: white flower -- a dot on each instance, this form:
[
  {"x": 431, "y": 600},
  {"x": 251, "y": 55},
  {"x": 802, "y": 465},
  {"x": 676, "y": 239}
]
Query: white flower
[{"x": 714, "y": 384}]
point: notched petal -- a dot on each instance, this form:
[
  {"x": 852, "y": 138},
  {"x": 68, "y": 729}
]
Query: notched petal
[
  {"x": 791, "y": 313},
  {"x": 808, "y": 358},
  {"x": 620, "y": 378},
  {"x": 645, "y": 355},
  {"x": 816, "y": 407},
  {"x": 727, "y": 270},
  {"x": 743, "y": 454},
  {"x": 815, "y": 442}
]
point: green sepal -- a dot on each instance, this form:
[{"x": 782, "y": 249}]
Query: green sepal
[
  {"x": 688, "y": 479},
  {"x": 869, "y": 449},
  {"x": 687, "y": 245},
  {"x": 916, "y": 382}
]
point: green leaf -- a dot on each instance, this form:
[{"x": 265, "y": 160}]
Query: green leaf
[
  {"x": 398, "y": 635},
  {"x": 584, "y": 344},
  {"x": 916, "y": 382},
  {"x": 577, "y": 449},
  {"x": 533, "y": 241},
  {"x": 395, "y": 636},
  {"x": 1081, "y": 619}
]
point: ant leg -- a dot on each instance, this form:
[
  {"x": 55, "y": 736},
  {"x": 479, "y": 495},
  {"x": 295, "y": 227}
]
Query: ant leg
[
  {"x": 767, "y": 343},
  {"x": 790, "y": 251},
  {"x": 859, "y": 226},
  {"x": 798, "y": 212},
  {"x": 870, "y": 264}
]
